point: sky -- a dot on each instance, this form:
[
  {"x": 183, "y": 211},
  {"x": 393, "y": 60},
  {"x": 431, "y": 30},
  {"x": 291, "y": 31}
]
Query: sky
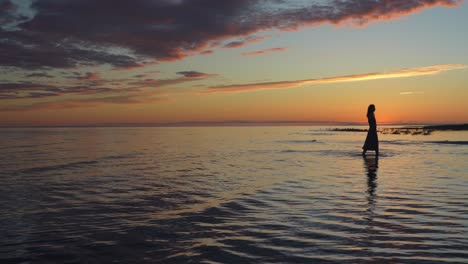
[{"x": 106, "y": 62}]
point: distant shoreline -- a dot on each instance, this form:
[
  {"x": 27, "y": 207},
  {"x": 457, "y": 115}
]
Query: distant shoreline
[
  {"x": 447, "y": 127},
  {"x": 402, "y": 127},
  {"x": 413, "y": 130}
]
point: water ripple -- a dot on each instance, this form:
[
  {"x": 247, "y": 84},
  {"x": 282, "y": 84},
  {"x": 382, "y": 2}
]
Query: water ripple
[{"x": 177, "y": 195}]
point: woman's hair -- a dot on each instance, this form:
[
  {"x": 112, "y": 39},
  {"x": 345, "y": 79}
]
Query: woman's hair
[{"x": 370, "y": 109}]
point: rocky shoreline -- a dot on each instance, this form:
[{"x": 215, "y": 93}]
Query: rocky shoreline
[{"x": 416, "y": 130}]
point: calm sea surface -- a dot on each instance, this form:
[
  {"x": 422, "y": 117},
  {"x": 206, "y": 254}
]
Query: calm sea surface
[{"x": 231, "y": 195}]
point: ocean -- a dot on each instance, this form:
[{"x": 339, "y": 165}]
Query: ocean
[{"x": 267, "y": 194}]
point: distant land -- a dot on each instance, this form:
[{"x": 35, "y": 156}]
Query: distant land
[
  {"x": 401, "y": 126},
  {"x": 413, "y": 130},
  {"x": 211, "y": 123},
  {"x": 448, "y": 127}
]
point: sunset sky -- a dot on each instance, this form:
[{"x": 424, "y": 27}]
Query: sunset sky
[{"x": 88, "y": 62}]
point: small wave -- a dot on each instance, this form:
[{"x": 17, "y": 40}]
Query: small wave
[
  {"x": 28, "y": 146},
  {"x": 72, "y": 165},
  {"x": 297, "y": 141},
  {"x": 397, "y": 142},
  {"x": 328, "y": 133},
  {"x": 296, "y": 151},
  {"x": 116, "y": 157},
  {"x": 58, "y": 167},
  {"x": 446, "y": 142}
]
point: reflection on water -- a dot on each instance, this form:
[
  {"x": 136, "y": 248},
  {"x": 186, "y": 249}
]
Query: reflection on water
[
  {"x": 230, "y": 195},
  {"x": 371, "y": 164}
]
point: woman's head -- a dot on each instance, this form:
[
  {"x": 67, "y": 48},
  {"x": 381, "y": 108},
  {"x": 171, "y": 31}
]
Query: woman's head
[{"x": 371, "y": 109}]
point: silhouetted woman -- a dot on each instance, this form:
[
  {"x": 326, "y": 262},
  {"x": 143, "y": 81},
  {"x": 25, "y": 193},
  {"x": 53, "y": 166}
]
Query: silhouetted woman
[{"x": 372, "y": 142}]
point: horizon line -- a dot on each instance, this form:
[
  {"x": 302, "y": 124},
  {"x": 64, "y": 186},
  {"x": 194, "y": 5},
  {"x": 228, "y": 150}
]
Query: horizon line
[{"x": 231, "y": 123}]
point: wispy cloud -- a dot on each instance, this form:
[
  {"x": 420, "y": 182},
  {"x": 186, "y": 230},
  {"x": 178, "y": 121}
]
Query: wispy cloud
[
  {"x": 245, "y": 41},
  {"x": 32, "y": 90},
  {"x": 89, "y": 76},
  {"x": 195, "y": 74},
  {"x": 39, "y": 75},
  {"x": 409, "y": 93},
  {"x": 186, "y": 76},
  {"x": 127, "y": 99},
  {"x": 399, "y": 73},
  {"x": 207, "y": 52},
  {"x": 264, "y": 51},
  {"x": 92, "y": 84}
]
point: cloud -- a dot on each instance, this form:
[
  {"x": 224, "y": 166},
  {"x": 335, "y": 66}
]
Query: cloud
[
  {"x": 68, "y": 34},
  {"x": 27, "y": 89},
  {"x": 409, "y": 93},
  {"x": 187, "y": 76},
  {"x": 15, "y": 13},
  {"x": 400, "y": 73},
  {"x": 89, "y": 76},
  {"x": 127, "y": 99},
  {"x": 265, "y": 51},
  {"x": 245, "y": 41},
  {"x": 195, "y": 74},
  {"x": 91, "y": 84},
  {"x": 206, "y": 52},
  {"x": 39, "y": 75},
  {"x": 89, "y": 95},
  {"x": 21, "y": 90},
  {"x": 141, "y": 76}
]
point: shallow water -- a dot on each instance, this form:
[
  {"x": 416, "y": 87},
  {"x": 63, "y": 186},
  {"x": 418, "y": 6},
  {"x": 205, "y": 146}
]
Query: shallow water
[{"x": 231, "y": 195}]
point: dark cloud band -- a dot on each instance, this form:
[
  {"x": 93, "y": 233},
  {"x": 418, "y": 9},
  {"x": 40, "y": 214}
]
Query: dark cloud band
[{"x": 127, "y": 34}]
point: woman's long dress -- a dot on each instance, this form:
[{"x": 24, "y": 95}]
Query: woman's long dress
[{"x": 372, "y": 141}]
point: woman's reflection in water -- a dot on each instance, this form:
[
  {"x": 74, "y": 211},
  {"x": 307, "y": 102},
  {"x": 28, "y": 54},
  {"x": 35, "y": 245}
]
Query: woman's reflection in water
[
  {"x": 371, "y": 165},
  {"x": 370, "y": 237}
]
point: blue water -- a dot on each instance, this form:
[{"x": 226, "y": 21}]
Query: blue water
[{"x": 231, "y": 195}]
